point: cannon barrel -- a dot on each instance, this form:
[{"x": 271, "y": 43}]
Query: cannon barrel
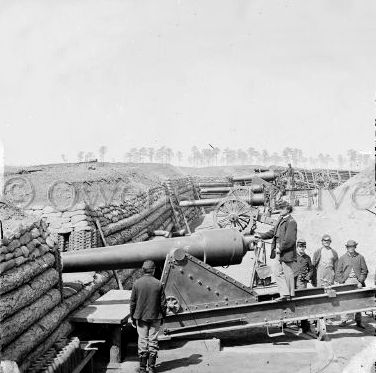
[
  {"x": 267, "y": 176},
  {"x": 215, "y": 184},
  {"x": 218, "y": 190},
  {"x": 215, "y": 247},
  {"x": 255, "y": 200}
]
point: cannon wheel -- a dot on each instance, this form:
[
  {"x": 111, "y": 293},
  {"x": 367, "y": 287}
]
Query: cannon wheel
[{"x": 233, "y": 213}]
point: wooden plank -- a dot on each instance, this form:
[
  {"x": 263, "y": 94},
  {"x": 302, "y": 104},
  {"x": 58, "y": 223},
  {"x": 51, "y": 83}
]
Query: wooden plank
[
  {"x": 120, "y": 285},
  {"x": 83, "y": 362},
  {"x": 111, "y": 308}
]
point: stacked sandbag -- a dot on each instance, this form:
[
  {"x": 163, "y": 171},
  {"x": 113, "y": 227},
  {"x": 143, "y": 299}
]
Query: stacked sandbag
[
  {"x": 73, "y": 229},
  {"x": 30, "y": 290},
  {"x": 134, "y": 218}
]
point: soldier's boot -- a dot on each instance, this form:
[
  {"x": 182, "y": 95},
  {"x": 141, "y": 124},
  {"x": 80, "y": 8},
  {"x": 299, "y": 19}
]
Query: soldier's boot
[
  {"x": 358, "y": 320},
  {"x": 152, "y": 361},
  {"x": 143, "y": 361}
]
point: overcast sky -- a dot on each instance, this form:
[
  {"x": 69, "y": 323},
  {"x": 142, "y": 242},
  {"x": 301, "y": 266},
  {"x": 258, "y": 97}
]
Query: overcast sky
[{"x": 76, "y": 75}]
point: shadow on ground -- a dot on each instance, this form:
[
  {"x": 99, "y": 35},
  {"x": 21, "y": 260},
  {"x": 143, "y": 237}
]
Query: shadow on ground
[{"x": 168, "y": 365}]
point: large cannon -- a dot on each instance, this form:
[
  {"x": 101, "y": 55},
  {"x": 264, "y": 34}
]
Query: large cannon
[
  {"x": 203, "y": 301},
  {"x": 238, "y": 209},
  {"x": 215, "y": 247}
]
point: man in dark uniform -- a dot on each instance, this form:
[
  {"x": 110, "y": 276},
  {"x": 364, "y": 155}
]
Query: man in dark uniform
[
  {"x": 303, "y": 268},
  {"x": 147, "y": 310},
  {"x": 284, "y": 251}
]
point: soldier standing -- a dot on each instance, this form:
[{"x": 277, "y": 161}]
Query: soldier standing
[
  {"x": 147, "y": 310},
  {"x": 303, "y": 268},
  {"x": 324, "y": 262},
  {"x": 284, "y": 251},
  {"x": 352, "y": 269}
]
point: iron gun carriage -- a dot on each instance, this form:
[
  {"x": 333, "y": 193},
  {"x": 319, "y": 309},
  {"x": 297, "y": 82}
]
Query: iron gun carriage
[{"x": 203, "y": 301}]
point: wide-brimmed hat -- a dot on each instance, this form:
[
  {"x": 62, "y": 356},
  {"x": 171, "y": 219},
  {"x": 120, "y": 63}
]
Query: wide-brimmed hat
[
  {"x": 326, "y": 237},
  {"x": 351, "y": 243}
]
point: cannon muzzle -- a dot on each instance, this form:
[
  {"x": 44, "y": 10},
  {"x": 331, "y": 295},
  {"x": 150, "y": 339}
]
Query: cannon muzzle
[{"x": 215, "y": 247}]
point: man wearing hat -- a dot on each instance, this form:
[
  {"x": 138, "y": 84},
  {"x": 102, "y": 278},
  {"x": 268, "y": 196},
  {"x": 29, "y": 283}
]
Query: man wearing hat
[
  {"x": 303, "y": 268},
  {"x": 325, "y": 263},
  {"x": 147, "y": 310},
  {"x": 352, "y": 269},
  {"x": 284, "y": 251}
]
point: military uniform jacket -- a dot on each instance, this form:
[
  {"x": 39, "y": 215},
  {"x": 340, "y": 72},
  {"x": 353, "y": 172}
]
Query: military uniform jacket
[
  {"x": 284, "y": 236},
  {"x": 303, "y": 267},
  {"x": 148, "y": 301},
  {"x": 348, "y": 262}
]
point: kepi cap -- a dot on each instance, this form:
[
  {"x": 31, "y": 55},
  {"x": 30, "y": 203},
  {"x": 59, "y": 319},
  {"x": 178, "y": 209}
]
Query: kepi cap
[{"x": 148, "y": 264}]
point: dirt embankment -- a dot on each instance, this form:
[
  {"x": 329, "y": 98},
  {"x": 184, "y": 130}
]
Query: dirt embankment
[
  {"x": 223, "y": 171},
  {"x": 35, "y": 187}
]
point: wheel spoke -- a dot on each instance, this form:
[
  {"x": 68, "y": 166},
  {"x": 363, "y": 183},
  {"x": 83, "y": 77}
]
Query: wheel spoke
[
  {"x": 220, "y": 221},
  {"x": 241, "y": 226},
  {"x": 244, "y": 218},
  {"x": 221, "y": 214}
]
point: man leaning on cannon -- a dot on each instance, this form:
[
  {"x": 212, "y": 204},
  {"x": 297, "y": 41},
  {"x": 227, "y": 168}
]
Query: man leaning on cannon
[
  {"x": 284, "y": 251},
  {"x": 147, "y": 310}
]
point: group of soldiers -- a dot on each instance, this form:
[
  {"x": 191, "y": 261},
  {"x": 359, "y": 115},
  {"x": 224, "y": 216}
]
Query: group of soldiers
[{"x": 294, "y": 269}]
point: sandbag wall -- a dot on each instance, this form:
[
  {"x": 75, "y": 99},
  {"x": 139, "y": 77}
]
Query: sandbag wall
[
  {"x": 133, "y": 219},
  {"x": 30, "y": 290},
  {"x": 136, "y": 219},
  {"x": 73, "y": 229},
  {"x": 36, "y": 299}
]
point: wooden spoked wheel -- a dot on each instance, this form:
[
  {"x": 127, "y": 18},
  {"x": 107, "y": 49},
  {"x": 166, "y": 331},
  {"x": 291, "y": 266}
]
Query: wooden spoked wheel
[{"x": 233, "y": 213}]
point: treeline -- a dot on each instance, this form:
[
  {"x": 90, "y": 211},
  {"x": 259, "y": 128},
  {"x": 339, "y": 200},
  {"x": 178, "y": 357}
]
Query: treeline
[{"x": 214, "y": 156}]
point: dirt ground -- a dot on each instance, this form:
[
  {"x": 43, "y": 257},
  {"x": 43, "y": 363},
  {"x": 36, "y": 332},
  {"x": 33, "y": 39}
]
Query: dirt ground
[
  {"x": 345, "y": 350},
  {"x": 340, "y": 352}
]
